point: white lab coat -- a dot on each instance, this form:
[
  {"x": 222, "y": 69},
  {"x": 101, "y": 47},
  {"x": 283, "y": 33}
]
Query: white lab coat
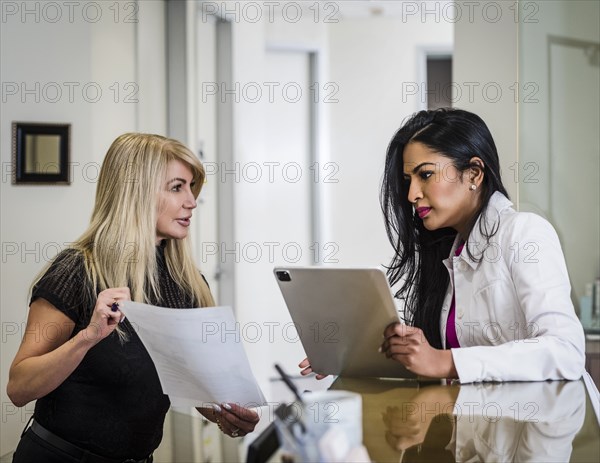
[{"x": 514, "y": 317}]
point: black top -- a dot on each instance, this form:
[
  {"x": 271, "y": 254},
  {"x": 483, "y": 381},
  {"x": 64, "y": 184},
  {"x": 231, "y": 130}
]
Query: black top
[{"x": 112, "y": 404}]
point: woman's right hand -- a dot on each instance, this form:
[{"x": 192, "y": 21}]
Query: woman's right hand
[
  {"x": 307, "y": 370},
  {"x": 43, "y": 361},
  {"x": 104, "y": 320}
]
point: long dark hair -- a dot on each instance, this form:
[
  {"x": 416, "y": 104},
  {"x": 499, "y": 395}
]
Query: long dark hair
[{"x": 458, "y": 135}]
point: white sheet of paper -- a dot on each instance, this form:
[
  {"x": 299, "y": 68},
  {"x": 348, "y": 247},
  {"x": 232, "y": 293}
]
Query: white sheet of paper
[{"x": 198, "y": 354}]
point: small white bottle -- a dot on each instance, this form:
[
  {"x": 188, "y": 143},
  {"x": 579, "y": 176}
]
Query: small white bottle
[
  {"x": 596, "y": 304},
  {"x": 585, "y": 306}
]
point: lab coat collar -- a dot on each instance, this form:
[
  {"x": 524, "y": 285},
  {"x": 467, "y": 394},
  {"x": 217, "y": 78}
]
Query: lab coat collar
[{"x": 476, "y": 241}]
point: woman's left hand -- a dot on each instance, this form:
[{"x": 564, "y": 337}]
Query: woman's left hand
[
  {"x": 232, "y": 419},
  {"x": 409, "y": 346}
]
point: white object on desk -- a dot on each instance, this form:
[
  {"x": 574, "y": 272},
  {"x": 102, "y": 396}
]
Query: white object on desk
[
  {"x": 340, "y": 410},
  {"x": 334, "y": 448}
]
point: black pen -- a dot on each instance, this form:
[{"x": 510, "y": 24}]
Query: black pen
[
  {"x": 289, "y": 383},
  {"x": 114, "y": 307}
]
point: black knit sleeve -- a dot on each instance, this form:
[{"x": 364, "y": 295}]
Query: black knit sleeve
[{"x": 67, "y": 287}]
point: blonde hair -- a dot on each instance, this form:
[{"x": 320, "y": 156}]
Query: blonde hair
[{"x": 119, "y": 246}]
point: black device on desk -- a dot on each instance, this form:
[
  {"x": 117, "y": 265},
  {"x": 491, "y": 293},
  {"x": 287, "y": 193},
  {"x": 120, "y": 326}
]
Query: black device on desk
[
  {"x": 267, "y": 443},
  {"x": 264, "y": 446}
]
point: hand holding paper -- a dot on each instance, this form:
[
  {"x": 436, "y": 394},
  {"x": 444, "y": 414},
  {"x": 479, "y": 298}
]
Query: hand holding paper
[{"x": 198, "y": 354}]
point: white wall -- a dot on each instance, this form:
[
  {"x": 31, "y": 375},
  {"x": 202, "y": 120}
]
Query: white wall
[
  {"x": 42, "y": 50},
  {"x": 375, "y": 63},
  {"x": 485, "y": 69}
]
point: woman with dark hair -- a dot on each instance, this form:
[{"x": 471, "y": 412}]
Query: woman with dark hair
[{"x": 486, "y": 289}]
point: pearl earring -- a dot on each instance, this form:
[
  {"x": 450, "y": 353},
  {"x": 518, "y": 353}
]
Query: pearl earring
[{"x": 473, "y": 187}]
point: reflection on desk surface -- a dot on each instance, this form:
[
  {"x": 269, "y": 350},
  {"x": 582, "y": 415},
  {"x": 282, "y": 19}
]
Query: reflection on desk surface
[{"x": 404, "y": 421}]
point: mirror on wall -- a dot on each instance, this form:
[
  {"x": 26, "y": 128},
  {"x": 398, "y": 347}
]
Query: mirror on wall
[{"x": 40, "y": 153}]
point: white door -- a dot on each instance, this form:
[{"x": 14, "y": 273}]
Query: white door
[{"x": 276, "y": 184}]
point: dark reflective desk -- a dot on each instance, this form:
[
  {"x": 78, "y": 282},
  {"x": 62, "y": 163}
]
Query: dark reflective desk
[{"x": 406, "y": 421}]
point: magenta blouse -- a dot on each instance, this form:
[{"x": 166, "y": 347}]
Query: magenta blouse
[{"x": 451, "y": 338}]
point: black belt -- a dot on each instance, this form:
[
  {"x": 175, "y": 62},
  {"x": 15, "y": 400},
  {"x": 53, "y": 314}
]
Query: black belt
[{"x": 77, "y": 452}]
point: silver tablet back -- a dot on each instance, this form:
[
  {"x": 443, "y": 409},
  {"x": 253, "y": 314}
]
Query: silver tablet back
[{"x": 340, "y": 315}]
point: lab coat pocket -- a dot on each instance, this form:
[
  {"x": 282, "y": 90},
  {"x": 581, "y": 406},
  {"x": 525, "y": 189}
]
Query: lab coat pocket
[{"x": 498, "y": 313}]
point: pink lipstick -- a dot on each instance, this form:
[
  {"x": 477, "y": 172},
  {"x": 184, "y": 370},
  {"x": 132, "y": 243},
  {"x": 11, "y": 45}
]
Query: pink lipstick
[{"x": 423, "y": 211}]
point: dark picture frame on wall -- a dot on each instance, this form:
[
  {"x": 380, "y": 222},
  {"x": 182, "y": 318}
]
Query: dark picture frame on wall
[{"x": 41, "y": 153}]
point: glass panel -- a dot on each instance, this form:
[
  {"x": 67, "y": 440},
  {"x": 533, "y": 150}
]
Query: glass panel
[{"x": 559, "y": 133}]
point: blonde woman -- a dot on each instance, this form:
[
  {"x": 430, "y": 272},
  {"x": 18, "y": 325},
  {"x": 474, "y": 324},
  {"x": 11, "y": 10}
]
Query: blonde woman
[{"x": 98, "y": 395}]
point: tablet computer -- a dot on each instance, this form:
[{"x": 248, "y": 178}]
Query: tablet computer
[{"x": 340, "y": 315}]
